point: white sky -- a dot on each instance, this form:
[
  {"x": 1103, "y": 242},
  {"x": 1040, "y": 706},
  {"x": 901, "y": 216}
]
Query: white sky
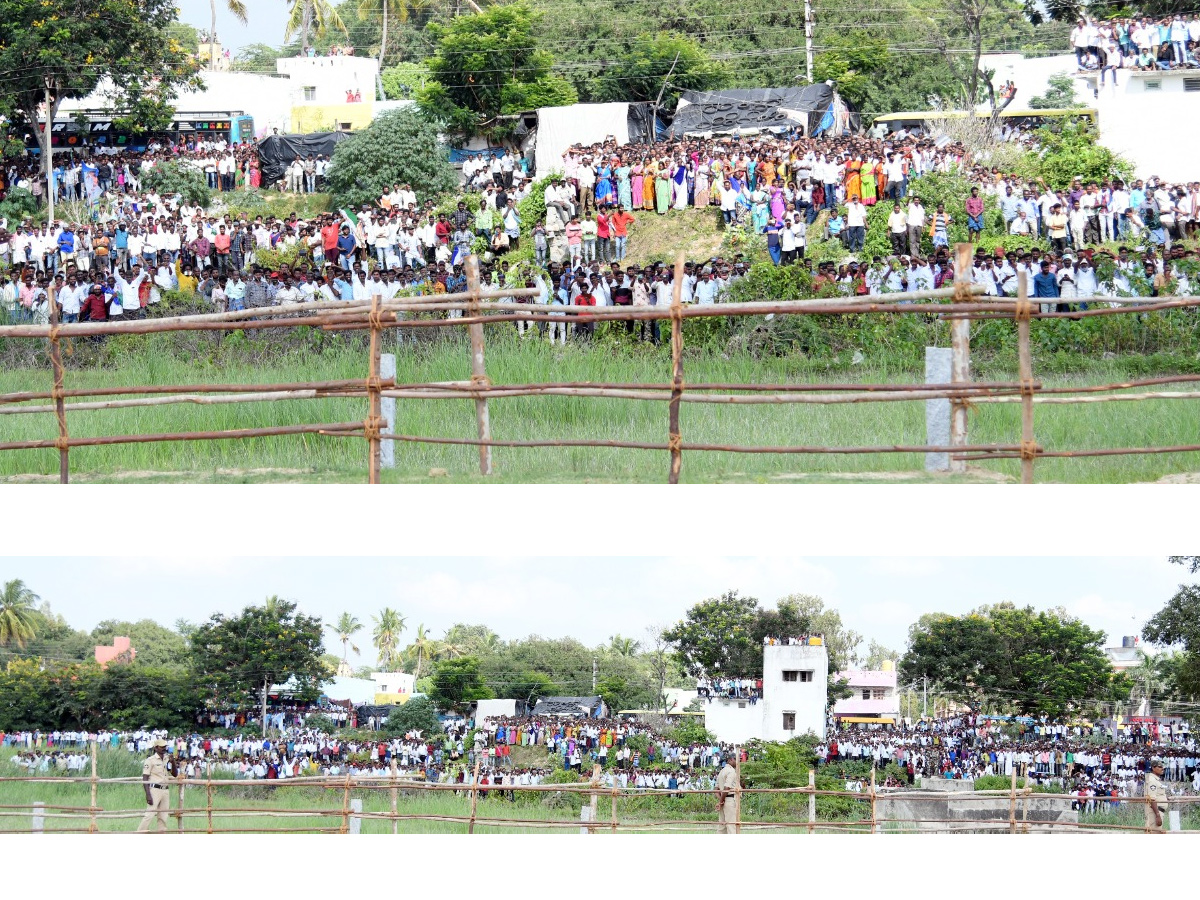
[{"x": 591, "y": 598}]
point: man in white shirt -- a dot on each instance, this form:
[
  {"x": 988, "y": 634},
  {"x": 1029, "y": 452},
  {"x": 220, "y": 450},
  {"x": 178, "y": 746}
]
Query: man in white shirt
[{"x": 916, "y": 225}]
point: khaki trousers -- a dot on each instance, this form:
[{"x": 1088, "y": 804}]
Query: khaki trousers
[
  {"x": 1150, "y": 824},
  {"x": 160, "y": 806},
  {"x": 727, "y": 816}
]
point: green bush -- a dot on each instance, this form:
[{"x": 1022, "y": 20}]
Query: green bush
[
  {"x": 320, "y": 723},
  {"x": 17, "y": 205},
  {"x": 417, "y": 714},
  {"x": 174, "y": 178}
]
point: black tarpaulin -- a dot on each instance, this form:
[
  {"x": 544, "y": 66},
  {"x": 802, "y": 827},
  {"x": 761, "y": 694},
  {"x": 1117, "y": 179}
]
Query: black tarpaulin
[
  {"x": 730, "y": 110},
  {"x": 276, "y": 153}
]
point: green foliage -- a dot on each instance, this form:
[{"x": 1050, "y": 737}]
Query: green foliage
[
  {"x": 239, "y": 657},
  {"x": 643, "y": 69},
  {"x": 257, "y": 58},
  {"x": 82, "y": 44},
  {"x": 403, "y": 80},
  {"x": 418, "y": 714},
  {"x": 723, "y": 636},
  {"x": 1039, "y": 663},
  {"x": 853, "y": 61},
  {"x": 155, "y": 646},
  {"x": 19, "y": 204},
  {"x": 1178, "y": 623},
  {"x": 320, "y": 723},
  {"x": 173, "y": 178},
  {"x": 1060, "y": 94},
  {"x": 1070, "y": 149},
  {"x": 690, "y": 731},
  {"x": 277, "y": 259},
  {"x": 20, "y": 621},
  {"x": 457, "y": 683},
  {"x": 399, "y": 146},
  {"x": 489, "y": 64}
]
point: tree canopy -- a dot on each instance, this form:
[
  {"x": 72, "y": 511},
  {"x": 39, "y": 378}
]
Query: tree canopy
[
  {"x": 1035, "y": 662},
  {"x": 61, "y": 51},
  {"x": 1178, "y": 624},
  {"x": 400, "y": 146},
  {"x": 239, "y": 657}
]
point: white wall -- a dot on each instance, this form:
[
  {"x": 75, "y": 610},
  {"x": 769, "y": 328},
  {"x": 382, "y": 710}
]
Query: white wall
[
  {"x": 805, "y": 699},
  {"x": 330, "y": 77},
  {"x": 394, "y": 682},
  {"x": 734, "y": 721}
]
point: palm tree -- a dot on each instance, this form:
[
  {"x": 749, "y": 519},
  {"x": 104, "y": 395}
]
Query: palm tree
[
  {"x": 345, "y": 628},
  {"x": 19, "y": 619},
  {"x": 1147, "y": 680},
  {"x": 309, "y": 16},
  {"x": 425, "y": 648},
  {"x": 389, "y": 625},
  {"x": 450, "y": 647},
  {"x": 238, "y": 9},
  {"x": 623, "y": 646}
]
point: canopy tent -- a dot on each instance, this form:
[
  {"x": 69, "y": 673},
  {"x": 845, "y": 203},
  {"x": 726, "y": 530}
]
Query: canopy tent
[{"x": 813, "y": 108}]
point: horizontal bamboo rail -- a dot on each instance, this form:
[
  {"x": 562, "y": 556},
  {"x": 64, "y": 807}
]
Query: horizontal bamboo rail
[
  {"x": 345, "y": 784},
  {"x": 483, "y": 306}
]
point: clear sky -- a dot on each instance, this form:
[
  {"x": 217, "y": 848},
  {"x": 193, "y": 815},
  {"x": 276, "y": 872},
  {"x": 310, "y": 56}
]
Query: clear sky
[
  {"x": 266, "y": 19},
  {"x": 591, "y": 598}
]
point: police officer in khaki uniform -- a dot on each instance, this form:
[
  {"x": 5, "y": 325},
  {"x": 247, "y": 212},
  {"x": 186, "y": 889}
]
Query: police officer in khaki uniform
[
  {"x": 156, "y": 783},
  {"x": 1156, "y": 796},
  {"x": 727, "y": 799}
]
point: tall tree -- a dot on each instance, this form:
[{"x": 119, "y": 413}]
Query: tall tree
[
  {"x": 345, "y": 628},
  {"x": 717, "y": 637},
  {"x": 240, "y": 657},
  {"x": 306, "y": 17},
  {"x": 389, "y": 625},
  {"x": 51, "y": 52},
  {"x": 1178, "y": 624},
  {"x": 457, "y": 683},
  {"x": 422, "y": 648},
  {"x": 155, "y": 645},
  {"x": 393, "y": 11},
  {"x": 623, "y": 646},
  {"x": 238, "y": 9},
  {"x": 19, "y": 618}
]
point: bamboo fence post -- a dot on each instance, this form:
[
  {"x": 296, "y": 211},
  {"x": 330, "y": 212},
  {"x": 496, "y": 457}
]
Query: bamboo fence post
[
  {"x": 478, "y": 369},
  {"x": 812, "y": 801},
  {"x": 474, "y": 797},
  {"x": 674, "y": 439},
  {"x": 1025, "y": 360},
  {"x": 345, "y": 829},
  {"x": 374, "y": 424},
  {"x": 395, "y": 821},
  {"x": 64, "y": 450},
  {"x": 1025, "y": 804},
  {"x": 737, "y": 793},
  {"x": 614, "y": 808},
  {"x": 874, "y": 818},
  {"x": 208, "y": 791},
  {"x": 960, "y": 353},
  {"x": 179, "y": 809},
  {"x": 92, "y": 827},
  {"x": 594, "y": 799},
  {"x": 1012, "y": 803}
]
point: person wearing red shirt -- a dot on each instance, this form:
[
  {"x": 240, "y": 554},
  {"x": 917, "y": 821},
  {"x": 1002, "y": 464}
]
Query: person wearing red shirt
[
  {"x": 94, "y": 307},
  {"x": 586, "y": 326},
  {"x": 222, "y": 242},
  {"x": 329, "y": 238},
  {"x": 604, "y": 249},
  {"x": 442, "y": 230},
  {"x": 619, "y": 222}
]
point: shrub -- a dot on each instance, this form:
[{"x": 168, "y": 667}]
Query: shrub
[
  {"x": 320, "y": 723},
  {"x": 18, "y": 204},
  {"x": 174, "y": 178},
  {"x": 417, "y": 714}
]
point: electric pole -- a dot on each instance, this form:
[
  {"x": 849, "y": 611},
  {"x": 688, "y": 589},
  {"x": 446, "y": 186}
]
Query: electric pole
[
  {"x": 925, "y": 697},
  {"x": 595, "y": 672},
  {"x": 808, "y": 36}
]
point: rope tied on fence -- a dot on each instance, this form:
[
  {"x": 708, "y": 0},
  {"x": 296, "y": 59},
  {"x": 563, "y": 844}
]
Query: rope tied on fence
[
  {"x": 373, "y": 427},
  {"x": 675, "y": 443},
  {"x": 478, "y": 381},
  {"x": 1029, "y": 449},
  {"x": 1024, "y": 310}
]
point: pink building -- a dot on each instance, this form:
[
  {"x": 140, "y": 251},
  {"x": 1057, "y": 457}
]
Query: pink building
[
  {"x": 875, "y": 695},
  {"x": 120, "y": 647}
]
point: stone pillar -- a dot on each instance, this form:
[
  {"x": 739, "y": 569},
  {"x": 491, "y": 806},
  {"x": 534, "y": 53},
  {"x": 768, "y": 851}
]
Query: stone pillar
[{"x": 937, "y": 412}]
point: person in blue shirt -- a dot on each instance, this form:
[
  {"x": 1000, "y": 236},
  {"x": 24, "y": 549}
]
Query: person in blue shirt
[
  {"x": 1045, "y": 285},
  {"x": 121, "y": 245},
  {"x": 346, "y": 246}
]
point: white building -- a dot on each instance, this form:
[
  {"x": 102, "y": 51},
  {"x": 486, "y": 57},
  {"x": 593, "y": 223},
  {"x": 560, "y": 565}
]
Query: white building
[
  {"x": 794, "y": 692},
  {"x": 393, "y": 687},
  {"x": 1145, "y": 116}
]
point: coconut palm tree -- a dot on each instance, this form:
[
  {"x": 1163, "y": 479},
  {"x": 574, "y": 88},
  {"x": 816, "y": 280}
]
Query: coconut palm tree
[
  {"x": 623, "y": 646},
  {"x": 1147, "y": 680},
  {"x": 238, "y": 9},
  {"x": 424, "y": 647},
  {"x": 451, "y": 648},
  {"x": 345, "y": 628},
  {"x": 307, "y": 17},
  {"x": 389, "y": 625},
  {"x": 19, "y": 619}
]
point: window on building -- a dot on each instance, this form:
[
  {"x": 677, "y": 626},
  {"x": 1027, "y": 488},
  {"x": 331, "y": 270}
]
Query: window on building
[
  {"x": 789, "y": 721},
  {"x": 1155, "y": 85},
  {"x": 878, "y": 693},
  {"x": 797, "y": 675},
  {"x": 741, "y": 706},
  {"x": 866, "y": 694},
  {"x": 310, "y": 94},
  {"x": 1191, "y": 84}
]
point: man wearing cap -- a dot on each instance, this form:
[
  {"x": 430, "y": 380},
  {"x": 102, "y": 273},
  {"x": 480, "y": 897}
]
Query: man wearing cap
[
  {"x": 727, "y": 798},
  {"x": 155, "y": 782},
  {"x": 1156, "y": 796}
]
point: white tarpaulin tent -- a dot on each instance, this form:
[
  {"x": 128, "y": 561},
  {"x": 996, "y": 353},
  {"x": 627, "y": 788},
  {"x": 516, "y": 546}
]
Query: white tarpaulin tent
[{"x": 581, "y": 123}]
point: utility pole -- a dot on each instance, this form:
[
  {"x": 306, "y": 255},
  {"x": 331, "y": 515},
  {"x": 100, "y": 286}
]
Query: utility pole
[
  {"x": 658, "y": 99},
  {"x": 925, "y": 697},
  {"x": 808, "y": 36},
  {"x": 51, "y": 187},
  {"x": 595, "y": 672}
]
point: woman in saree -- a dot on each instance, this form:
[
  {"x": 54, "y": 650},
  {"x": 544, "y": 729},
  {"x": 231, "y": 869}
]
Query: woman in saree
[
  {"x": 662, "y": 187},
  {"x": 624, "y": 187},
  {"x": 648, "y": 184},
  {"x": 870, "y": 182},
  {"x": 635, "y": 184},
  {"x": 702, "y": 189},
  {"x": 854, "y": 178},
  {"x": 679, "y": 187}
]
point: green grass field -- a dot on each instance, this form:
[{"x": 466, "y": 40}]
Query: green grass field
[{"x": 314, "y": 458}]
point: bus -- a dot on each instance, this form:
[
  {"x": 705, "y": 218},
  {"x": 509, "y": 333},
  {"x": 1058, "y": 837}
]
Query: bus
[{"x": 99, "y": 129}]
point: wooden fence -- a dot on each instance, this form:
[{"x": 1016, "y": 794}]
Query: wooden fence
[
  {"x": 346, "y": 815},
  {"x": 478, "y": 307}
]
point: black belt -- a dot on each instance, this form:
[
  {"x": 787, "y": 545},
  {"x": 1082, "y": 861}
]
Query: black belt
[{"x": 161, "y": 787}]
